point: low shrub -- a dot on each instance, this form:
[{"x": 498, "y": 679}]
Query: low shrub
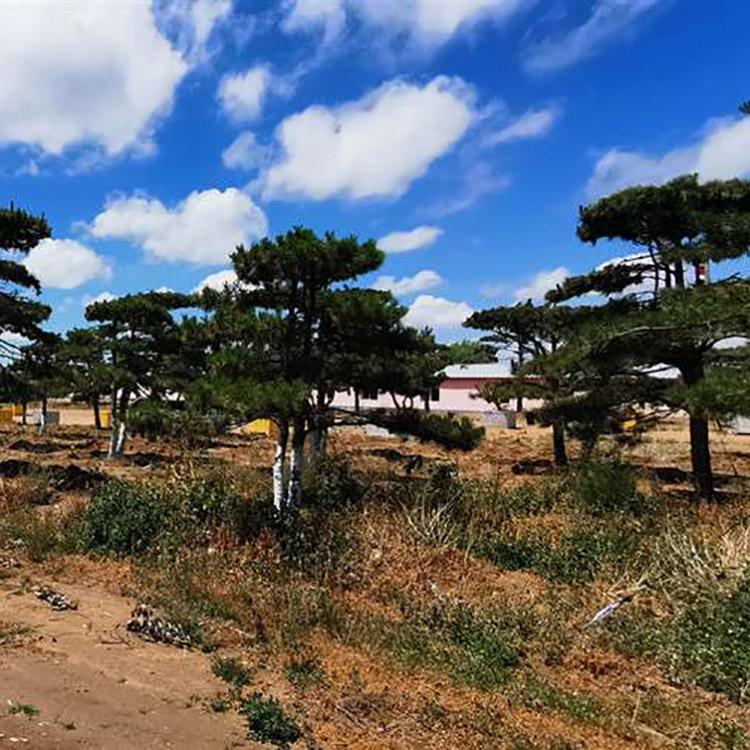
[
  {"x": 124, "y": 519},
  {"x": 233, "y": 672},
  {"x": 316, "y": 540},
  {"x": 602, "y": 488},
  {"x": 268, "y": 722}
]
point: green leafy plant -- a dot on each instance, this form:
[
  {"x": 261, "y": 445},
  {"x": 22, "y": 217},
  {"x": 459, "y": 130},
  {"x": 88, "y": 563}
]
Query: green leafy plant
[
  {"x": 124, "y": 519},
  {"x": 16, "y": 708},
  {"x": 233, "y": 672},
  {"x": 268, "y": 722}
]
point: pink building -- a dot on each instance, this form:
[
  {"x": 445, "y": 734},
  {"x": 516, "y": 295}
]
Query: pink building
[{"x": 457, "y": 393}]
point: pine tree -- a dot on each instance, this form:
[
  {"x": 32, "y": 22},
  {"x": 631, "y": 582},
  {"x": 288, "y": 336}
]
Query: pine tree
[
  {"x": 291, "y": 334},
  {"x": 666, "y": 318},
  {"x": 142, "y": 345},
  {"x": 20, "y": 315}
]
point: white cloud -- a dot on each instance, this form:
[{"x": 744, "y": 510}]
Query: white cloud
[
  {"x": 404, "y": 242},
  {"x": 420, "y": 282},
  {"x": 193, "y": 23},
  {"x": 204, "y": 228},
  {"x": 371, "y": 148},
  {"x": 532, "y": 124},
  {"x": 479, "y": 180},
  {"x": 608, "y": 21},
  {"x": 84, "y": 73},
  {"x": 217, "y": 281},
  {"x": 241, "y": 95},
  {"x": 722, "y": 153},
  {"x": 103, "y": 297},
  {"x": 540, "y": 284},
  {"x": 66, "y": 264},
  {"x": 310, "y": 15},
  {"x": 436, "y": 312},
  {"x": 427, "y": 23},
  {"x": 245, "y": 153}
]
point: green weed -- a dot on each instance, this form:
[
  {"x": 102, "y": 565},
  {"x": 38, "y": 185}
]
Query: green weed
[{"x": 267, "y": 721}]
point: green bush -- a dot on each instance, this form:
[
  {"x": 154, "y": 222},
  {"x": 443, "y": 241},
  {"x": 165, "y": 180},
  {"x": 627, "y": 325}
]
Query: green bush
[
  {"x": 209, "y": 502},
  {"x": 602, "y": 488},
  {"x": 233, "y": 672},
  {"x": 268, "y": 722},
  {"x": 316, "y": 540},
  {"x": 124, "y": 519}
]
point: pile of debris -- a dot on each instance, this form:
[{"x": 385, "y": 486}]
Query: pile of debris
[
  {"x": 152, "y": 628},
  {"x": 57, "y": 600}
]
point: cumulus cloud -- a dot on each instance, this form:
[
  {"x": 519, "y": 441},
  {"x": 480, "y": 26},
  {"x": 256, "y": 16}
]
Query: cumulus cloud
[
  {"x": 532, "y": 124},
  {"x": 245, "y": 153},
  {"x": 608, "y": 21},
  {"x": 436, "y": 312},
  {"x": 204, "y": 228},
  {"x": 217, "y": 281},
  {"x": 66, "y": 264},
  {"x": 241, "y": 95},
  {"x": 420, "y": 282},
  {"x": 722, "y": 153},
  {"x": 427, "y": 23},
  {"x": 371, "y": 148},
  {"x": 89, "y": 73},
  {"x": 404, "y": 242},
  {"x": 540, "y": 284}
]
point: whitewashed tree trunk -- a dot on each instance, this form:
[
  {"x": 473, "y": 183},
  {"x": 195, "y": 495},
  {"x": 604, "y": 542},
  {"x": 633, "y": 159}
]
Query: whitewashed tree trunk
[
  {"x": 296, "y": 466},
  {"x": 279, "y": 461},
  {"x": 42, "y": 422},
  {"x": 122, "y": 434},
  {"x": 117, "y": 438}
]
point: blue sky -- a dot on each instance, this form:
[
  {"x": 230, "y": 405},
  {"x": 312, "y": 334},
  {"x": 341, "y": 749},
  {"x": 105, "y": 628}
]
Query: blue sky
[{"x": 461, "y": 134}]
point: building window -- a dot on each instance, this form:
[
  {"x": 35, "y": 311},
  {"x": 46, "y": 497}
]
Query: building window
[{"x": 435, "y": 394}]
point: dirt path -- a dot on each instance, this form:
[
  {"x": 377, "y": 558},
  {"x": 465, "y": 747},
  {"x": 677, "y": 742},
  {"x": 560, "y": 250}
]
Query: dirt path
[{"x": 97, "y": 686}]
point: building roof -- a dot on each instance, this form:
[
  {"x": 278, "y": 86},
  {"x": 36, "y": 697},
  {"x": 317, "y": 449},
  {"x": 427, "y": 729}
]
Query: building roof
[{"x": 478, "y": 372}]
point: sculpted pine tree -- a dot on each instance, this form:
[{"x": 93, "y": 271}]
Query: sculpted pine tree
[
  {"x": 673, "y": 316},
  {"x": 20, "y": 315},
  {"x": 532, "y": 333},
  {"x": 291, "y": 334},
  {"x": 142, "y": 344},
  {"x": 82, "y": 357}
]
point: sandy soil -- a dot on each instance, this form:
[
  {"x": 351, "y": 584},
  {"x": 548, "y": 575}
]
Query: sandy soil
[{"x": 98, "y": 686}]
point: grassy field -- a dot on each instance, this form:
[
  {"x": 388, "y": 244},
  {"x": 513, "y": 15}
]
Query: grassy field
[{"x": 421, "y": 599}]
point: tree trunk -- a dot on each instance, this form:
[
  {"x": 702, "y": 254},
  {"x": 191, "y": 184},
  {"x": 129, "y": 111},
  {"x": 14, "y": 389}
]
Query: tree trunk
[
  {"x": 319, "y": 443},
  {"x": 279, "y": 461},
  {"x": 700, "y": 455},
  {"x": 97, "y": 412},
  {"x": 356, "y": 401},
  {"x": 44, "y": 406},
  {"x": 700, "y": 447},
  {"x": 294, "y": 493},
  {"x": 519, "y": 399},
  {"x": 558, "y": 443},
  {"x": 24, "y": 412}
]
